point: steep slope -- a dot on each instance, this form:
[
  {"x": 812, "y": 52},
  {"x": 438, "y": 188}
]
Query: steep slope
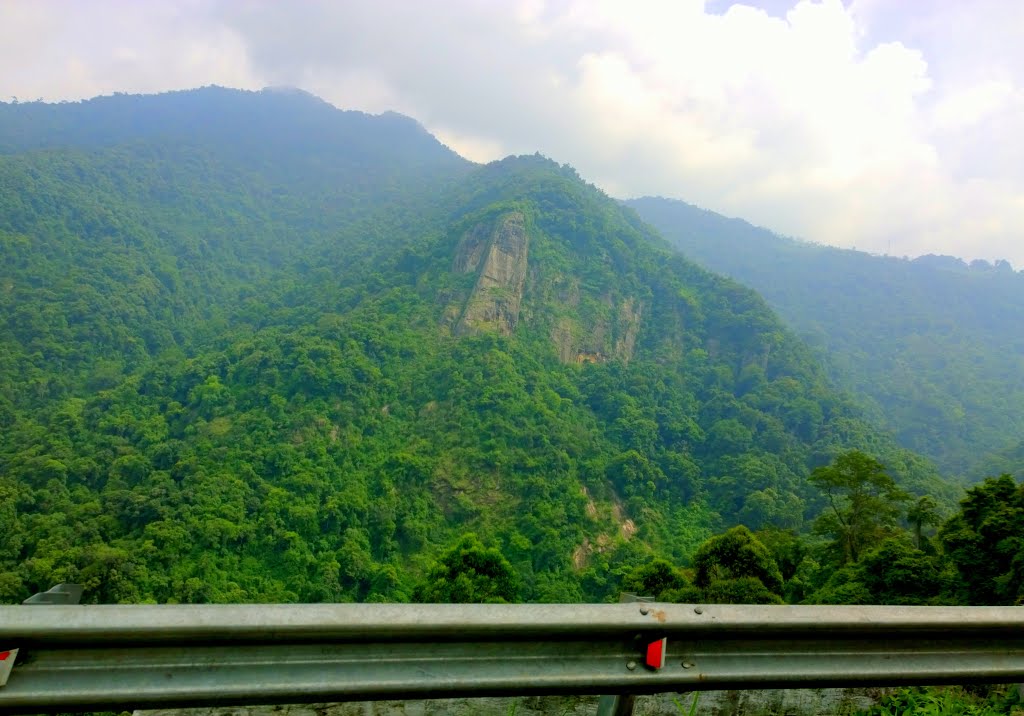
[
  {"x": 132, "y": 226},
  {"x": 1009, "y": 461},
  {"x": 935, "y": 347},
  {"x": 284, "y": 395}
]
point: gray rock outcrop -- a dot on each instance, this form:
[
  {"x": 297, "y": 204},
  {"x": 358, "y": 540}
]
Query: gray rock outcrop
[{"x": 500, "y": 258}]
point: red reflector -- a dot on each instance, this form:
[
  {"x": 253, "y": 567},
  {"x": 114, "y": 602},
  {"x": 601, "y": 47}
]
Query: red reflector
[
  {"x": 4, "y": 655},
  {"x": 656, "y": 653}
]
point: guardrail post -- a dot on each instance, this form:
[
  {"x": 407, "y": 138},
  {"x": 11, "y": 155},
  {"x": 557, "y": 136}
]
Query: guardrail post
[{"x": 620, "y": 704}]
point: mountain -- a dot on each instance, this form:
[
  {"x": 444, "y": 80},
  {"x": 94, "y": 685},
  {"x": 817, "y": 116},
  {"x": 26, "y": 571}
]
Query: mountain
[
  {"x": 934, "y": 347},
  {"x": 1009, "y": 461},
  {"x": 207, "y": 194},
  {"x": 256, "y": 348}
]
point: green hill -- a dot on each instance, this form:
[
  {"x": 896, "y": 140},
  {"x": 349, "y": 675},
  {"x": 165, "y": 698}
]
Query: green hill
[
  {"x": 933, "y": 347},
  {"x": 255, "y": 348},
  {"x": 1009, "y": 461}
]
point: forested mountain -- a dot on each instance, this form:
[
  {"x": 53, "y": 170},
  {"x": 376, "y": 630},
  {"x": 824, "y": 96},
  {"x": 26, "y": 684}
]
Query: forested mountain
[
  {"x": 116, "y": 252},
  {"x": 934, "y": 347},
  {"x": 255, "y": 348},
  {"x": 1009, "y": 461}
]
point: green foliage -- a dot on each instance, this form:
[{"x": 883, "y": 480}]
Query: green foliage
[
  {"x": 233, "y": 366},
  {"x": 739, "y": 590},
  {"x": 737, "y": 553},
  {"x": 897, "y": 573},
  {"x": 863, "y": 503},
  {"x": 1009, "y": 461},
  {"x": 894, "y": 573},
  {"x": 923, "y": 513},
  {"x": 786, "y": 548},
  {"x": 932, "y": 347},
  {"x": 947, "y": 701},
  {"x": 977, "y": 558},
  {"x": 658, "y": 579},
  {"x": 868, "y": 558},
  {"x": 985, "y": 542},
  {"x": 693, "y": 704},
  {"x": 470, "y": 573},
  {"x": 838, "y": 586},
  {"x": 736, "y": 568}
]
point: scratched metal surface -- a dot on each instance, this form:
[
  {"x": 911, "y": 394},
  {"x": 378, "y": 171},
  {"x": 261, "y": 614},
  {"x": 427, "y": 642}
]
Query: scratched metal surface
[{"x": 117, "y": 657}]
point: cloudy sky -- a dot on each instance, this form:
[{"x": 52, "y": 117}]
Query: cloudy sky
[{"x": 896, "y": 126}]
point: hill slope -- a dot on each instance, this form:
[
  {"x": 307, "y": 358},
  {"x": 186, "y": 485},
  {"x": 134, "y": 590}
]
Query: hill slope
[
  {"x": 184, "y": 203},
  {"x": 935, "y": 347},
  {"x": 255, "y": 371}
]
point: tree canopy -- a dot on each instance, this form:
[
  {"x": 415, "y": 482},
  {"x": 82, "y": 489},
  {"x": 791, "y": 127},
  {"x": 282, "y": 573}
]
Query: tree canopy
[
  {"x": 299, "y": 359},
  {"x": 863, "y": 503},
  {"x": 470, "y": 573},
  {"x": 932, "y": 347}
]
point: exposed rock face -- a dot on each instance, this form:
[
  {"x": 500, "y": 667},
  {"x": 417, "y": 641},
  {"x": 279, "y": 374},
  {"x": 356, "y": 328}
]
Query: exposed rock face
[
  {"x": 582, "y": 340},
  {"x": 630, "y": 312},
  {"x": 561, "y": 336},
  {"x": 588, "y": 326},
  {"x": 471, "y": 249},
  {"x": 500, "y": 257}
]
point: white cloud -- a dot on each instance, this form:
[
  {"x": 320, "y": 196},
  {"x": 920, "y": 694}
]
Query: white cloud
[
  {"x": 850, "y": 124},
  {"x": 964, "y": 108},
  {"x": 474, "y": 148},
  {"x": 70, "y": 50}
]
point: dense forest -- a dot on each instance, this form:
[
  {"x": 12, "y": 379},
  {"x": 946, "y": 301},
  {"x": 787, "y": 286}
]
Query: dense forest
[
  {"x": 255, "y": 348},
  {"x": 932, "y": 347}
]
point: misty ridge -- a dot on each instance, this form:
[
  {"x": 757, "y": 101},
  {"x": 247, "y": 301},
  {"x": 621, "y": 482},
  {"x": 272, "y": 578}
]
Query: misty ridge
[{"x": 931, "y": 346}]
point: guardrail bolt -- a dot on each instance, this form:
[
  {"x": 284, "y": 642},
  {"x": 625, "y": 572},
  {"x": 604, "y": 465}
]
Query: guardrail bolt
[
  {"x": 631, "y": 665},
  {"x": 699, "y": 610},
  {"x": 645, "y": 611},
  {"x": 687, "y": 664}
]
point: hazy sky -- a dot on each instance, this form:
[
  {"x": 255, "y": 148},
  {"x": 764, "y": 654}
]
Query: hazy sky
[{"x": 896, "y": 126}]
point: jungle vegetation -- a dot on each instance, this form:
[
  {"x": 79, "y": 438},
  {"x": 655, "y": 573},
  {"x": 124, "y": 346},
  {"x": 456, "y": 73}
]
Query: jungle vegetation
[{"x": 253, "y": 348}]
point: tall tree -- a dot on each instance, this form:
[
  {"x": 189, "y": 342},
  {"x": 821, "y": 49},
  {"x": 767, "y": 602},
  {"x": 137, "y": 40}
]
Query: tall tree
[
  {"x": 863, "y": 503},
  {"x": 470, "y": 573},
  {"x": 658, "y": 578},
  {"x": 923, "y": 513},
  {"x": 737, "y": 567},
  {"x": 896, "y": 573},
  {"x": 985, "y": 542}
]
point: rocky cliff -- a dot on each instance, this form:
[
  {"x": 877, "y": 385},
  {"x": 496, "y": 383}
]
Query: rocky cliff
[{"x": 498, "y": 254}]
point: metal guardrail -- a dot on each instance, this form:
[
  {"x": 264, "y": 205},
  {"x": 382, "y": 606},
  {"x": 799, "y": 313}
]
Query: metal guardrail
[{"x": 126, "y": 657}]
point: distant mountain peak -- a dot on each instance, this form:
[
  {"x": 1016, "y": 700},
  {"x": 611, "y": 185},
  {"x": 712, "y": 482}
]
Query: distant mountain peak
[
  {"x": 290, "y": 90},
  {"x": 254, "y": 121}
]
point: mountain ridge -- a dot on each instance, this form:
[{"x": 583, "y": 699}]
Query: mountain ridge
[
  {"x": 932, "y": 345},
  {"x": 938, "y": 261},
  {"x": 186, "y": 114},
  {"x": 225, "y": 377}
]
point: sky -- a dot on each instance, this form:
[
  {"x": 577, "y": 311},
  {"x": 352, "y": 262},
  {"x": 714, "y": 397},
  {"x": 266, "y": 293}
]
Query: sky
[{"x": 892, "y": 126}]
